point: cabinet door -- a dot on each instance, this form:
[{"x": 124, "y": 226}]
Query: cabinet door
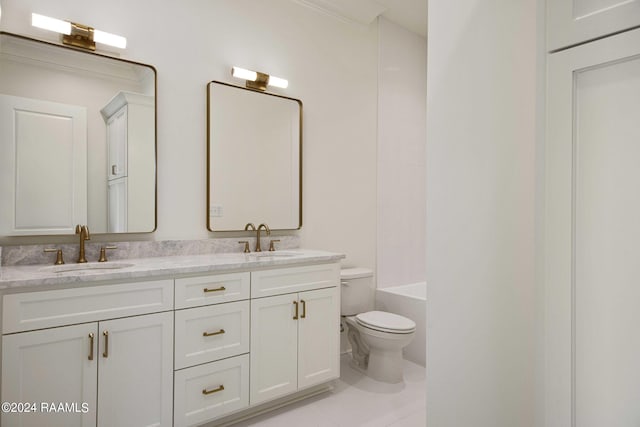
[
  {"x": 117, "y": 144},
  {"x": 274, "y": 352},
  {"x": 570, "y": 22},
  {"x": 51, "y": 366},
  {"x": 318, "y": 337},
  {"x": 592, "y": 233},
  {"x": 117, "y": 206},
  {"x": 136, "y": 371}
]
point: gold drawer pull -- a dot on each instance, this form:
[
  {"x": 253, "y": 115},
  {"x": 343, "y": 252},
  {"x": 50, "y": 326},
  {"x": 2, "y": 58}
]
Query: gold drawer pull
[
  {"x": 106, "y": 344},
  {"x": 210, "y": 334},
  {"x": 221, "y": 288},
  {"x": 91, "y": 336},
  {"x": 215, "y": 390},
  {"x": 304, "y": 309},
  {"x": 295, "y": 316}
]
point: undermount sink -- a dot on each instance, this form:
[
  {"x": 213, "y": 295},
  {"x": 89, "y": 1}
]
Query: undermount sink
[
  {"x": 273, "y": 254},
  {"x": 90, "y": 266}
]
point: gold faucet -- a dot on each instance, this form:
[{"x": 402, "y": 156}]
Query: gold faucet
[
  {"x": 83, "y": 231},
  {"x": 266, "y": 227},
  {"x": 249, "y": 226}
]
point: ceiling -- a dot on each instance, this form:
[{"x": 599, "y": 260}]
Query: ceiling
[{"x": 410, "y": 14}]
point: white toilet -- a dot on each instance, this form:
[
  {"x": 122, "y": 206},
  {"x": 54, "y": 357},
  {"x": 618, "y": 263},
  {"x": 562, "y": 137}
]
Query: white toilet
[{"x": 376, "y": 337}]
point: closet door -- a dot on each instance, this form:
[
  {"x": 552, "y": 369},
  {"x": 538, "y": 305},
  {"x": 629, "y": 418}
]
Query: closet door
[
  {"x": 593, "y": 234},
  {"x": 570, "y": 22}
]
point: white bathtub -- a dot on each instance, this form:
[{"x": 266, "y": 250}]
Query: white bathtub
[{"x": 409, "y": 301}]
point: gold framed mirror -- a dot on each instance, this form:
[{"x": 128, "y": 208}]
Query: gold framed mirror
[
  {"x": 77, "y": 140},
  {"x": 254, "y": 159}
]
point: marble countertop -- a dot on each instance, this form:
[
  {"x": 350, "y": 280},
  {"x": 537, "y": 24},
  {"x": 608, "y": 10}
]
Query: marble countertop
[{"x": 41, "y": 276}]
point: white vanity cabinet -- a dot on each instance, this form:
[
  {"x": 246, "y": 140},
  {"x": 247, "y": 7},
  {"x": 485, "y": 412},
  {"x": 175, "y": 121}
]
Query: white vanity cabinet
[
  {"x": 181, "y": 351},
  {"x": 111, "y": 371},
  {"x": 211, "y": 347},
  {"x": 570, "y": 22},
  {"x": 294, "y": 335}
]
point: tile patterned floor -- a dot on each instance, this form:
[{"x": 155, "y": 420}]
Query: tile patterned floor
[{"x": 357, "y": 401}]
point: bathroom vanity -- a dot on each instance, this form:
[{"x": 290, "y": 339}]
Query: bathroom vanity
[{"x": 167, "y": 340}]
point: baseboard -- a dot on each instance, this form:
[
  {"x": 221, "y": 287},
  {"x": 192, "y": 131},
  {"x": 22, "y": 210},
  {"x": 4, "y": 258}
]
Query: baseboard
[{"x": 254, "y": 411}]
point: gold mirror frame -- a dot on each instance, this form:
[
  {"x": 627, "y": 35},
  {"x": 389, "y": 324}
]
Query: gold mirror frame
[
  {"x": 100, "y": 56},
  {"x": 210, "y": 153}
]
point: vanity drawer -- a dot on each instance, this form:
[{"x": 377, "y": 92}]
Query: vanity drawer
[
  {"x": 288, "y": 280},
  {"x": 227, "y": 333},
  {"x": 46, "y": 309},
  {"x": 212, "y": 289},
  {"x": 227, "y": 384}
]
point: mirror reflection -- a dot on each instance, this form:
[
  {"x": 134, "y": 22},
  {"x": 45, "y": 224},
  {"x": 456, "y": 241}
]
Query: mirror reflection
[
  {"x": 254, "y": 159},
  {"x": 77, "y": 141}
]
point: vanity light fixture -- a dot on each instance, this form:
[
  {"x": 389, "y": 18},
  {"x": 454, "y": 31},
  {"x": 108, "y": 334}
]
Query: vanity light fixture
[
  {"x": 78, "y": 35},
  {"x": 257, "y": 80}
]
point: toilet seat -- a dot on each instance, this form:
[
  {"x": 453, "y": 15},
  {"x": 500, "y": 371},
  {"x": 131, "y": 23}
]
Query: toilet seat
[{"x": 386, "y": 322}]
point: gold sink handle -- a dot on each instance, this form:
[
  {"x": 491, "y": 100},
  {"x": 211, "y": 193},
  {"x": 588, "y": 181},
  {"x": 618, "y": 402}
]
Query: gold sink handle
[
  {"x": 103, "y": 253},
  {"x": 59, "y": 257},
  {"x": 272, "y": 248},
  {"x": 246, "y": 246}
]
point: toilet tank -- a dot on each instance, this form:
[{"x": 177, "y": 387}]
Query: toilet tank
[{"x": 357, "y": 292}]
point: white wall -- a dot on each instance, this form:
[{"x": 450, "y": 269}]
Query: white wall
[
  {"x": 331, "y": 66},
  {"x": 481, "y": 147},
  {"x": 402, "y": 87}
]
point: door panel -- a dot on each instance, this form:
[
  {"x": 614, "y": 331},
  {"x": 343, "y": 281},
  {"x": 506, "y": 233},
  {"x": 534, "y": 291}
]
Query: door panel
[
  {"x": 607, "y": 233},
  {"x": 319, "y": 337},
  {"x": 136, "y": 371},
  {"x": 592, "y": 234},
  {"x": 117, "y": 209},
  {"x": 43, "y": 166},
  {"x": 274, "y": 345},
  {"x": 51, "y": 366}
]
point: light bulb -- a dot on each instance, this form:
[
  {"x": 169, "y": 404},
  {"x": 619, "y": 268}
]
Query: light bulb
[
  {"x": 51, "y": 24},
  {"x": 278, "y": 82},
  {"x": 244, "y": 74},
  {"x": 110, "y": 39}
]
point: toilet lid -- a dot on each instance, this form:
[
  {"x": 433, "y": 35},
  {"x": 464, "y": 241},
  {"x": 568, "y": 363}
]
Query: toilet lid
[{"x": 386, "y": 322}]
